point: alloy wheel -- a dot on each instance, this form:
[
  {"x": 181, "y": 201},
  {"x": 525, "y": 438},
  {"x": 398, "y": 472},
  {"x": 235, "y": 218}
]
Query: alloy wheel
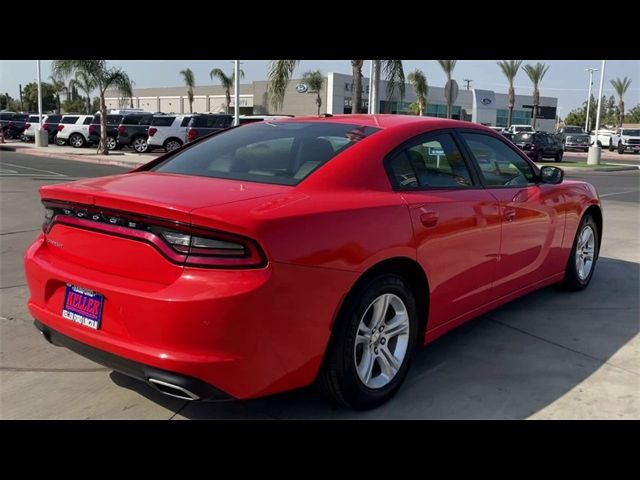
[{"x": 585, "y": 251}]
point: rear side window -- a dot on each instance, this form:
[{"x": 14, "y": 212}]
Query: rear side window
[
  {"x": 21, "y": 117},
  {"x": 87, "y": 121},
  {"x": 499, "y": 164},
  {"x": 435, "y": 162},
  {"x": 131, "y": 120},
  {"x": 67, "y": 120},
  {"x": 283, "y": 153},
  {"x": 6, "y": 116},
  {"x": 162, "y": 121}
]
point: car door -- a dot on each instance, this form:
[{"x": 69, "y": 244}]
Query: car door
[
  {"x": 531, "y": 213},
  {"x": 456, "y": 223}
]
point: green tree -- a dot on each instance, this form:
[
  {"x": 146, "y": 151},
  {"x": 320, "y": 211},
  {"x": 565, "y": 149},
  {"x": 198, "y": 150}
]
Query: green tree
[
  {"x": 510, "y": 69},
  {"x": 314, "y": 81},
  {"x": 58, "y": 86},
  {"x": 448, "y": 66},
  {"x": 634, "y": 114},
  {"x": 621, "y": 86},
  {"x": 30, "y": 97},
  {"x": 535, "y": 73},
  {"x": 421, "y": 88},
  {"x": 74, "y": 105},
  {"x": 5, "y": 98},
  {"x": 83, "y": 82},
  {"x": 227, "y": 83},
  {"x": 280, "y": 72},
  {"x": 190, "y": 82},
  {"x": 102, "y": 78},
  {"x": 394, "y": 76}
]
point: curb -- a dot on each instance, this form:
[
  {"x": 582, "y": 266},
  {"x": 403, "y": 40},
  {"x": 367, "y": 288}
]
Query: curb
[{"x": 79, "y": 158}]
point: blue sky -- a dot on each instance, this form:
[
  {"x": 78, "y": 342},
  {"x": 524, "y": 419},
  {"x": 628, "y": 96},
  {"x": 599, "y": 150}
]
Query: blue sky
[{"x": 566, "y": 79}]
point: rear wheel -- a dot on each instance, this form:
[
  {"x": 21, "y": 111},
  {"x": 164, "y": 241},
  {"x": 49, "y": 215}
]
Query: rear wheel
[
  {"x": 140, "y": 144},
  {"x": 111, "y": 143},
  {"x": 372, "y": 344},
  {"x": 171, "y": 144},
  {"x": 76, "y": 140},
  {"x": 584, "y": 254},
  {"x": 60, "y": 142},
  {"x": 559, "y": 156}
]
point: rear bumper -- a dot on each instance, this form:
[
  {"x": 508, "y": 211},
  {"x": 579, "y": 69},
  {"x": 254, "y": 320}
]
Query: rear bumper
[
  {"x": 249, "y": 333},
  {"x": 193, "y": 388}
]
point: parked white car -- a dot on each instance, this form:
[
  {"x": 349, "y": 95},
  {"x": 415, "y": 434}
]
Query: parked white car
[
  {"x": 74, "y": 129},
  {"x": 625, "y": 139},
  {"x": 167, "y": 131},
  {"x": 604, "y": 137},
  {"x": 515, "y": 129},
  {"x": 29, "y": 134}
]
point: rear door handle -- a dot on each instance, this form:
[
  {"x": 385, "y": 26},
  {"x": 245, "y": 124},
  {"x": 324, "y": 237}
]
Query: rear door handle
[
  {"x": 509, "y": 214},
  {"x": 429, "y": 218}
]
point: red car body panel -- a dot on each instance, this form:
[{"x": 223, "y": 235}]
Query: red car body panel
[{"x": 258, "y": 331}]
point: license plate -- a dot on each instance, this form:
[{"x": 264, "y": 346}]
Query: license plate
[{"x": 83, "y": 306}]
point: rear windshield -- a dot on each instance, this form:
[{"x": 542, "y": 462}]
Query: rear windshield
[
  {"x": 20, "y": 117},
  {"x": 53, "y": 118},
  {"x": 69, "y": 120},
  {"x": 162, "y": 121},
  {"x": 211, "y": 121},
  {"x": 34, "y": 118},
  {"x": 6, "y": 116},
  {"x": 524, "y": 136},
  {"x": 283, "y": 153}
]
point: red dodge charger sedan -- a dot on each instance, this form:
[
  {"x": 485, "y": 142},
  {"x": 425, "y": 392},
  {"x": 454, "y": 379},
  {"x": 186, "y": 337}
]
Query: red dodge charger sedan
[{"x": 305, "y": 250}]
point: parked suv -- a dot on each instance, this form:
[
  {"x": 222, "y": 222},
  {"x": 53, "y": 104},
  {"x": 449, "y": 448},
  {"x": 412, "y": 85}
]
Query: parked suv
[
  {"x": 539, "y": 145},
  {"x": 625, "y": 139},
  {"x": 132, "y": 131},
  {"x": 201, "y": 125},
  {"x": 51, "y": 126},
  {"x": 74, "y": 129},
  {"x": 573, "y": 138},
  {"x": 13, "y": 124},
  {"x": 30, "y": 127},
  {"x": 167, "y": 131},
  {"x": 113, "y": 120}
]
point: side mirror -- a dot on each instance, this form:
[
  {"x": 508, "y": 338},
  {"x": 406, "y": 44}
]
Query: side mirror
[{"x": 552, "y": 175}]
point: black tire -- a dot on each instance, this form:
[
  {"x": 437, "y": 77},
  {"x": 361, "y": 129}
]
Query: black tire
[
  {"x": 171, "y": 144},
  {"x": 338, "y": 379},
  {"x": 611, "y": 146},
  {"x": 585, "y": 149},
  {"x": 539, "y": 156},
  {"x": 60, "y": 142},
  {"x": 76, "y": 140},
  {"x": 559, "y": 155},
  {"x": 620, "y": 149},
  {"x": 572, "y": 280},
  {"x": 139, "y": 144}
]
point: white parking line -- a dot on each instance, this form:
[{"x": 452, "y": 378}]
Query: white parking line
[
  {"x": 45, "y": 172},
  {"x": 619, "y": 193}
]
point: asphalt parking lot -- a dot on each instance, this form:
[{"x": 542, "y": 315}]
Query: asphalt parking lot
[{"x": 550, "y": 355}]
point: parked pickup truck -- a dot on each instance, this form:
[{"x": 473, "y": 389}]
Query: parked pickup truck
[
  {"x": 573, "y": 138},
  {"x": 625, "y": 139}
]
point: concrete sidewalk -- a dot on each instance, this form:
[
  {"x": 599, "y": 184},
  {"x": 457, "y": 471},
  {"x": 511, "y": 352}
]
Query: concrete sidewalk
[{"x": 127, "y": 159}]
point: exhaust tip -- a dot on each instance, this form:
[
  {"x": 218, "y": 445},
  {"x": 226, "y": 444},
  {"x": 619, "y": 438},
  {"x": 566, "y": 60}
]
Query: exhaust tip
[{"x": 173, "y": 390}]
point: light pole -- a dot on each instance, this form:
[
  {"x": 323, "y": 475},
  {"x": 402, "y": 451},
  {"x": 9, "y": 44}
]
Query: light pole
[
  {"x": 41, "y": 139},
  {"x": 586, "y": 122},
  {"x": 594, "y": 150},
  {"x": 236, "y": 93}
]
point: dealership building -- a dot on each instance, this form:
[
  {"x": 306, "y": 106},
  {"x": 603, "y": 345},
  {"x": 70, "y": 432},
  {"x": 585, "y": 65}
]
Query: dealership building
[{"x": 475, "y": 105}]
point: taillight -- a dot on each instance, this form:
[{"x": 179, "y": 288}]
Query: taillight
[
  {"x": 191, "y": 134},
  {"x": 92, "y": 129},
  {"x": 27, "y": 126},
  {"x": 46, "y": 126},
  {"x": 121, "y": 130},
  {"x": 152, "y": 131},
  {"x": 10, "y": 124},
  {"x": 60, "y": 127},
  {"x": 180, "y": 243}
]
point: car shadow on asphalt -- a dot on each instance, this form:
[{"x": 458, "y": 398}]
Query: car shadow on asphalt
[{"x": 508, "y": 364}]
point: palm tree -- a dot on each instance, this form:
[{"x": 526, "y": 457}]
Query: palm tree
[
  {"x": 314, "y": 80},
  {"x": 226, "y": 82},
  {"x": 510, "y": 69},
  {"x": 190, "y": 82},
  {"x": 420, "y": 86},
  {"x": 84, "y": 82},
  {"x": 536, "y": 74},
  {"x": 102, "y": 78},
  {"x": 57, "y": 87},
  {"x": 621, "y": 87},
  {"x": 448, "y": 66},
  {"x": 280, "y": 72}
]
